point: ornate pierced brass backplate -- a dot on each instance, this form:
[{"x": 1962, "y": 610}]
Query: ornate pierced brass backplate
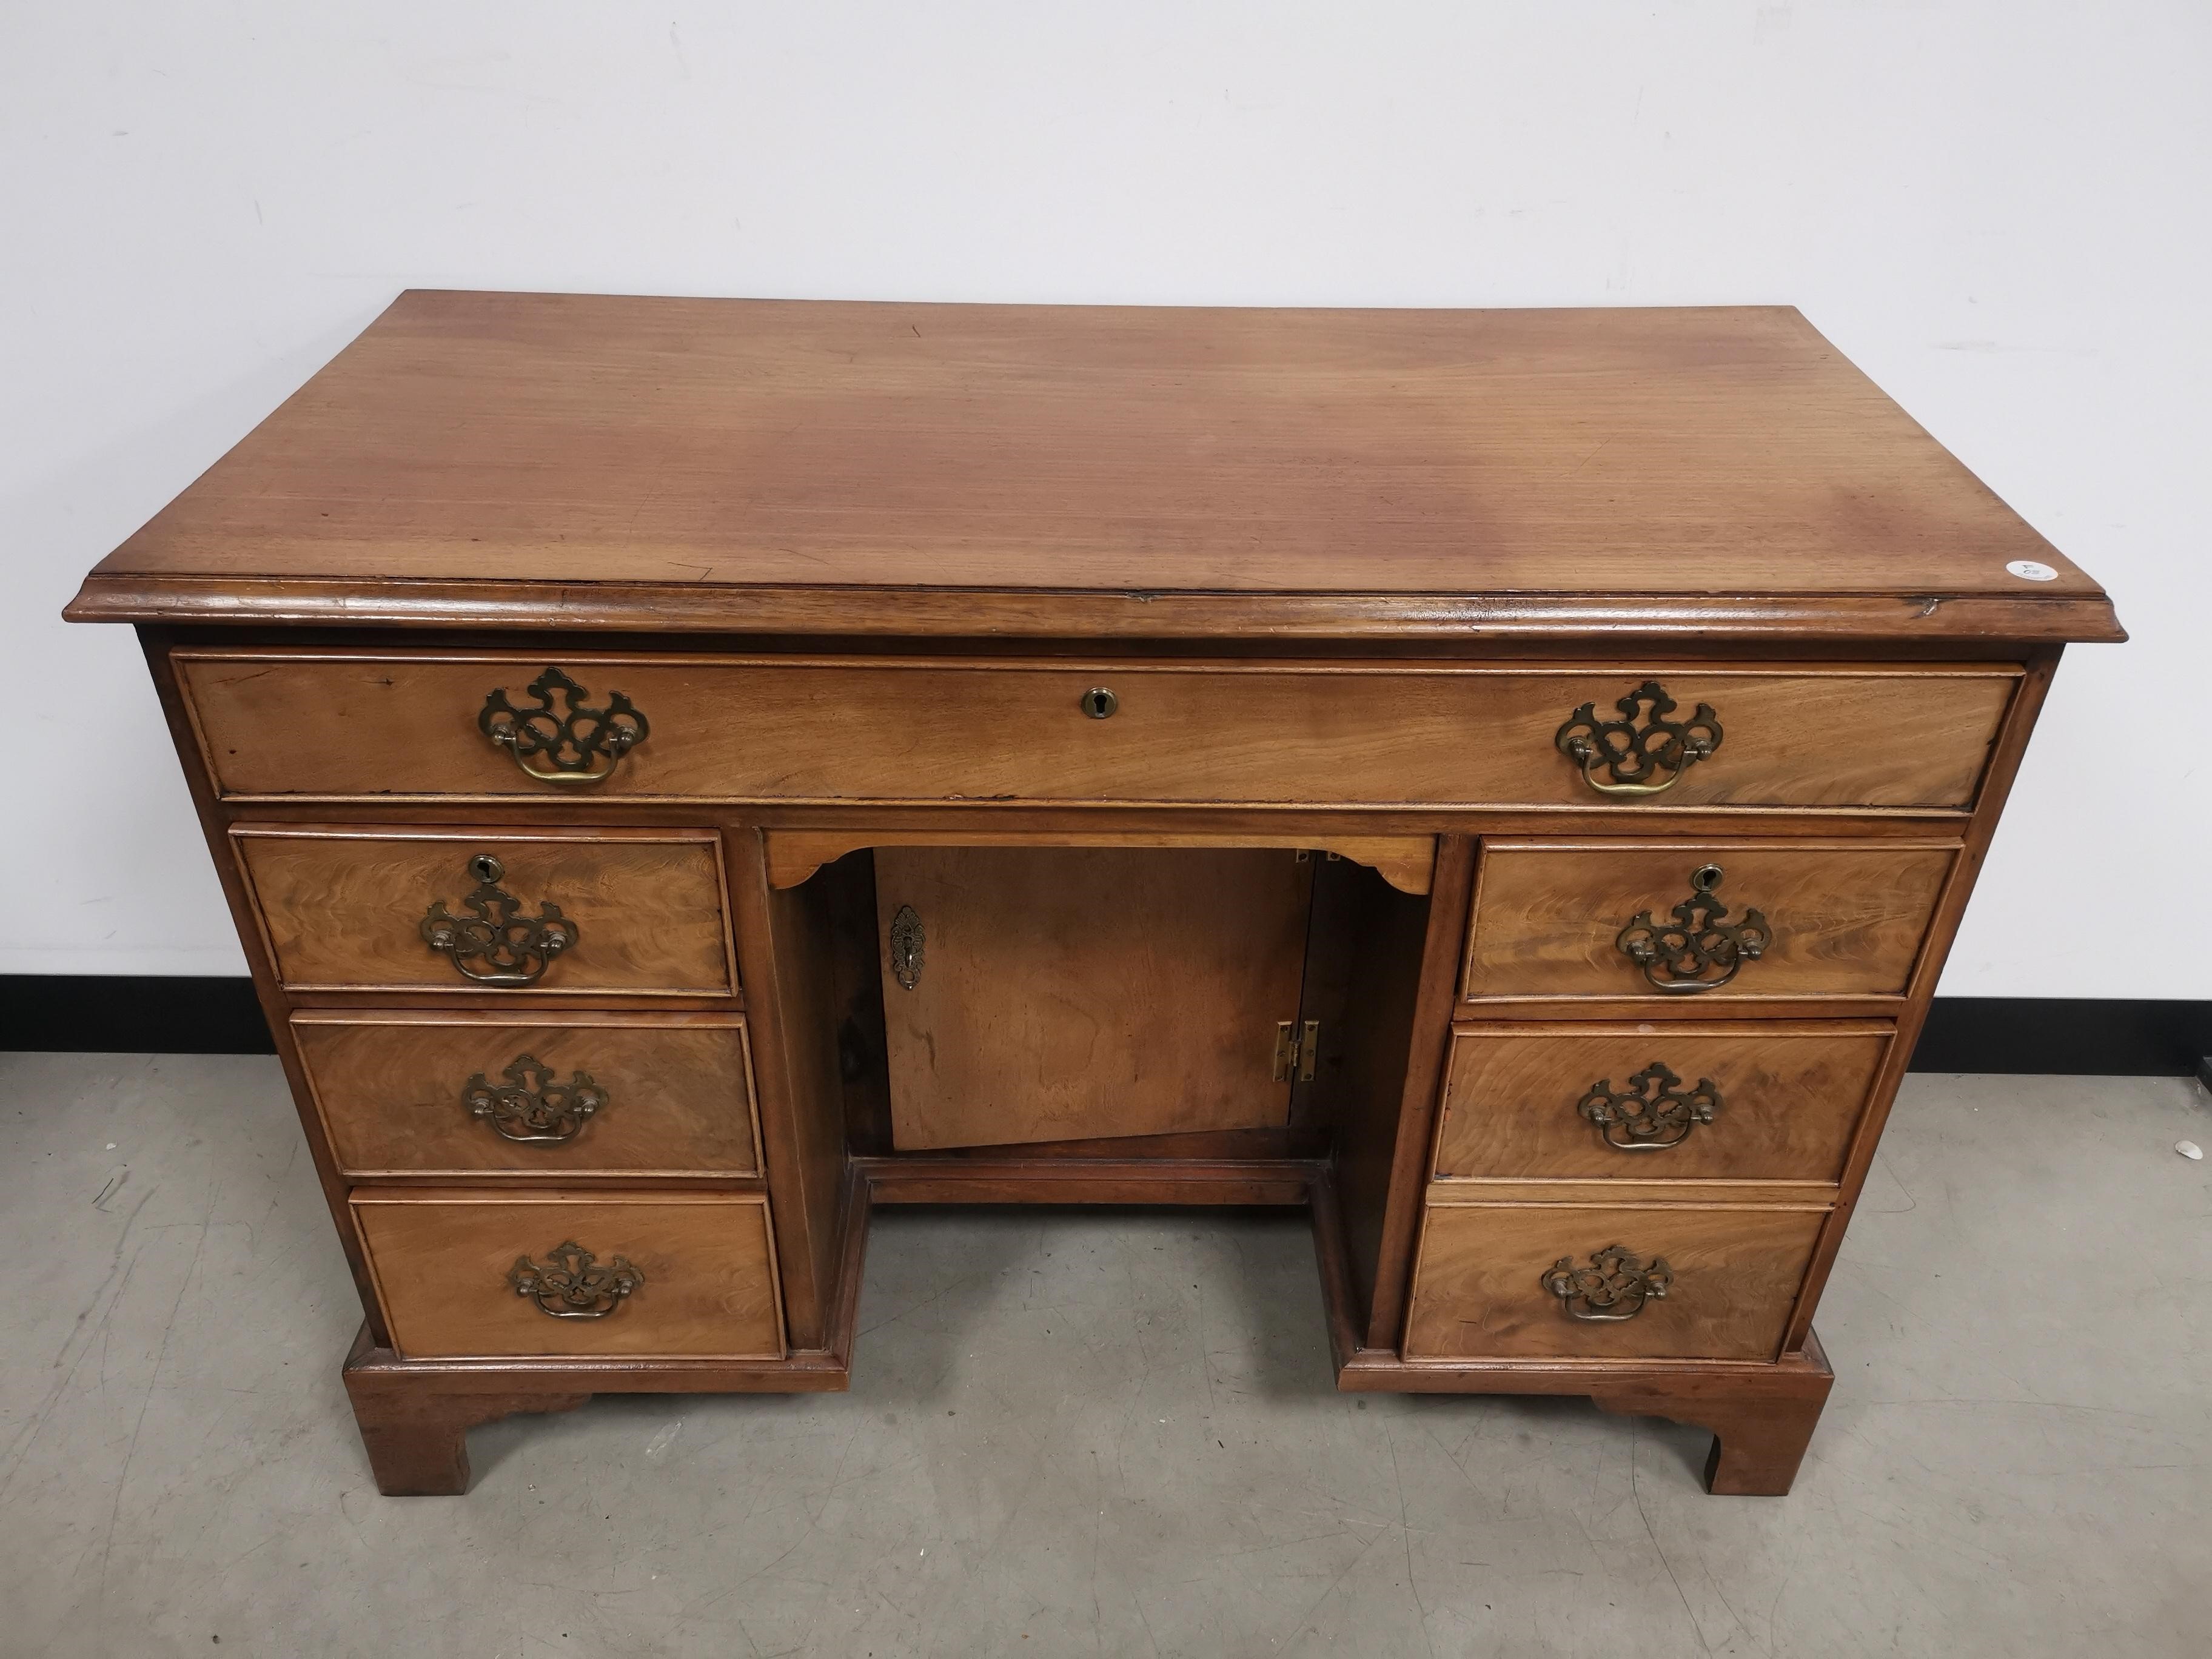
[
  {"x": 1643, "y": 746},
  {"x": 574, "y": 744},
  {"x": 574, "y": 1284},
  {"x": 907, "y": 939},
  {"x": 1700, "y": 949},
  {"x": 1653, "y": 1112},
  {"x": 497, "y": 945},
  {"x": 1614, "y": 1287},
  {"x": 532, "y": 1107}
]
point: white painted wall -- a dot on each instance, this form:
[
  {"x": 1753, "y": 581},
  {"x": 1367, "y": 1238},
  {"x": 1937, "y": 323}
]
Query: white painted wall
[{"x": 1997, "y": 208}]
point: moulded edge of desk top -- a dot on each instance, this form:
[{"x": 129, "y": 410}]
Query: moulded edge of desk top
[{"x": 937, "y": 613}]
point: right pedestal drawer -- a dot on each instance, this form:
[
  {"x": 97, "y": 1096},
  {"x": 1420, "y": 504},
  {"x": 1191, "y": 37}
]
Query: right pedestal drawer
[
  {"x": 1719, "y": 1100},
  {"x": 1719, "y": 920},
  {"x": 1573, "y": 1281}
]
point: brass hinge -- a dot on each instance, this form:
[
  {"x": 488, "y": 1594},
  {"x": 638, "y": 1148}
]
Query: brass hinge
[{"x": 1296, "y": 1047}]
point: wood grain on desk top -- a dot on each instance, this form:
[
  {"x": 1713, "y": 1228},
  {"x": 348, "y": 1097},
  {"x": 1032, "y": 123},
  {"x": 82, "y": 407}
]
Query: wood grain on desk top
[{"x": 538, "y": 460}]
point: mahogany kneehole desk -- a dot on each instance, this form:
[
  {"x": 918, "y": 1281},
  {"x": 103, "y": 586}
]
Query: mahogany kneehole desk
[{"x": 687, "y": 771}]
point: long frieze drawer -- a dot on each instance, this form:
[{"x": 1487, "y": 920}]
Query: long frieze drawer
[
  {"x": 546, "y": 1095},
  {"x": 661, "y": 1275},
  {"x": 336, "y": 725},
  {"x": 1714, "y": 919},
  {"x": 1712, "y": 1101},
  {"x": 566, "y": 912},
  {"x": 1562, "y": 1281}
]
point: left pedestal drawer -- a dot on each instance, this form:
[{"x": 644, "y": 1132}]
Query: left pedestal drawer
[
  {"x": 532, "y": 1095},
  {"x": 672, "y": 1275},
  {"x": 601, "y": 913}
]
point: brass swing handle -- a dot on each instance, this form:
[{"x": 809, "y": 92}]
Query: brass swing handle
[
  {"x": 496, "y": 944},
  {"x": 574, "y": 1284},
  {"x": 533, "y": 1107},
  {"x": 1613, "y": 1287},
  {"x": 1700, "y": 949},
  {"x": 573, "y": 744},
  {"x": 1653, "y": 1112},
  {"x": 1642, "y": 745}
]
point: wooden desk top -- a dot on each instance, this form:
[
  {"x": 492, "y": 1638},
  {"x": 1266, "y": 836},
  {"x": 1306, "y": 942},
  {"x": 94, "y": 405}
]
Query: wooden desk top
[{"x": 762, "y": 467}]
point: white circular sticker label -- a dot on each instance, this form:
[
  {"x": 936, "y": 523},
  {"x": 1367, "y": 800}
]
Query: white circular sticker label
[{"x": 2029, "y": 570}]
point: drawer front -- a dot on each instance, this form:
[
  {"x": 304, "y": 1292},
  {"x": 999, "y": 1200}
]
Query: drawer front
[
  {"x": 619, "y": 913},
  {"x": 1714, "y": 921},
  {"x": 1488, "y": 1282},
  {"x": 547, "y": 1095},
  {"x": 1671, "y": 1102},
  {"x": 665, "y": 1275},
  {"x": 339, "y": 727}
]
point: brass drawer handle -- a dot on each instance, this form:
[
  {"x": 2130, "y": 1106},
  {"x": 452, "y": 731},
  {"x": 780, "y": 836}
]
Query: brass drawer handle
[
  {"x": 1633, "y": 753},
  {"x": 1653, "y": 1112},
  {"x": 577, "y": 744},
  {"x": 1613, "y": 1287},
  {"x": 573, "y": 1283},
  {"x": 1699, "y": 950},
  {"x": 512, "y": 948},
  {"x": 532, "y": 1108}
]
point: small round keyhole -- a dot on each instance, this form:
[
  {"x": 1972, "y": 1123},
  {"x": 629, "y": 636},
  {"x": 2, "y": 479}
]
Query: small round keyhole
[
  {"x": 1705, "y": 878},
  {"x": 486, "y": 868},
  {"x": 1098, "y": 702}
]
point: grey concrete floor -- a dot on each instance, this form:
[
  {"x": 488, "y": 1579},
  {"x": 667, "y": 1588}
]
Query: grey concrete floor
[{"x": 1096, "y": 1432}]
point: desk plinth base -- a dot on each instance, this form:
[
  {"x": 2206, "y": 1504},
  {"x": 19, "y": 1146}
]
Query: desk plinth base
[
  {"x": 415, "y": 1414},
  {"x": 1762, "y": 1416}
]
